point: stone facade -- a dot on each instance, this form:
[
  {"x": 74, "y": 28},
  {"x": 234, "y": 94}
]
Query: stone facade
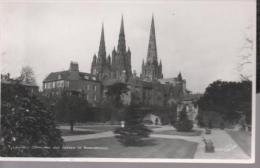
[
  {"x": 119, "y": 66},
  {"x": 73, "y": 80},
  {"x": 150, "y": 88}
]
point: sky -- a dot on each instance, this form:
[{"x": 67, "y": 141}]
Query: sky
[{"x": 201, "y": 39}]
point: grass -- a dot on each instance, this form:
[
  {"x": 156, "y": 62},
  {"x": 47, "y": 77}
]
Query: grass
[
  {"x": 243, "y": 139},
  {"x": 174, "y": 132},
  {"x": 111, "y": 148},
  {"x": 65, "y": 132}
]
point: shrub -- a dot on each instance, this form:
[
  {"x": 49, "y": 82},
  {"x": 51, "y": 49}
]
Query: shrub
[
  {"x": 135, "y": 131},
  {"x": 28, "y": 127},
  {"x": 183, "y": 123}
]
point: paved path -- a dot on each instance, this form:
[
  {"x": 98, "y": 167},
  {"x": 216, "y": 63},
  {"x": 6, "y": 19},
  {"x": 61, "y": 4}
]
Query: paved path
[
  {"x": 225, "y": 146},
  {"x": 75, "y": 128},
  {"x": 88, "y": 136}
]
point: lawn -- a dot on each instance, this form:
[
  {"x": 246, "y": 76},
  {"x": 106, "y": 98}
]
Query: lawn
[
  {"x": 243, "y": 139},
  {"x": 156, "y": 148},
  {"x": 174, "y": 132},
  {"x": 65, "y": 132}
]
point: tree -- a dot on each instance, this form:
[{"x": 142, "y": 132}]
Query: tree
[
  {"x": 183, "y": 123},
  {"x": 27, "y": 75},
  {"x": 114, "y": 93},
  {"x": 134, "y": 131},
  {"x": 244, "y": 65},
  {"x": 71, "y": 107},
  {"x": 228, "y": 99},
  {"x": 28, "y": 127}
]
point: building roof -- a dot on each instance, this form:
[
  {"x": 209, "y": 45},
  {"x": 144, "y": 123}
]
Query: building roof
[{"x": 69, "y": 75}]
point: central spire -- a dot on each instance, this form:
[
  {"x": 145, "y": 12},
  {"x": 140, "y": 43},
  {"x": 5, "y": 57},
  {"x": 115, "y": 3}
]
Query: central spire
[
  {"x": 121, "y": 47},
  {"x": 102, "y": 46},
  {"x": 152, "y": 49}
]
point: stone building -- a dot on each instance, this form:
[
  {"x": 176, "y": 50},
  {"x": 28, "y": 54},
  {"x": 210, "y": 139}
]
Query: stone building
[
  {"x": 150, "y": 88},
  {"x": 151, "y": 69},
  {"x": 119, "y": 66},
  {"x": 73, "y": 80}
]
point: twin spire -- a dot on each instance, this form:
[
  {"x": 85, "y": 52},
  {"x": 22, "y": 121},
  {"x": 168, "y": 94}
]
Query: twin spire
[{"x": 121, "y": 47}]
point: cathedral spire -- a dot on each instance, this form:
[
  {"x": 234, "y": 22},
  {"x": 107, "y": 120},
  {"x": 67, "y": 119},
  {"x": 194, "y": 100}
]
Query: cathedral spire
[
  {"x": 121, "y": 47},
  {"x": 152, "y": 48},
  {"x": 102, "y": 46}
]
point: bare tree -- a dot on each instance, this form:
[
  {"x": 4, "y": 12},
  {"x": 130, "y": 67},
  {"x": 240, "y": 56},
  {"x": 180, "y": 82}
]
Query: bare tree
[
  {"x": 244, "y": 65},
  {"x": 27, "y": 75}
]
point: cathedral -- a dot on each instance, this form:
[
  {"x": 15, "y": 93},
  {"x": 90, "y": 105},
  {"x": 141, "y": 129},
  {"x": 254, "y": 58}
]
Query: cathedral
[
  {"x": 150, "y": 87},
  {"x": 117, "y": 67}
]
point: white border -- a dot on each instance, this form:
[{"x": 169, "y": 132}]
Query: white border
[{"x": 148, "y": 160}]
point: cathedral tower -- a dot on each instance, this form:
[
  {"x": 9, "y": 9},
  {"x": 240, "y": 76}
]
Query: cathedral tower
[
  {"x": 101, "y": 64},
  {"x": 121, "y": 58},
  {"x": 152, "y": 70}
]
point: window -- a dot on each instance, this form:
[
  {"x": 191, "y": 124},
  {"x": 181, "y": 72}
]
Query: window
[
  {"x": 95, "y": 97},
  {"x": 53, "y": 84},
  {"x": 95, "y": 87},
  {"x": 67, "y": 84},
  {"x": 86, "y": 77},
  {"x": 87, "y": 87},
  {"x": 94, "y": 78},
  {"x": 57, "y": 83},
  {"x": 59, "y": 76},
  {"x": 62, "y": 83}
]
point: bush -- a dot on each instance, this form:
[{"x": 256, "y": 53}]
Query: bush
[
  {"x": 135, "y": 131},
  {"x": 28, "y": 127},
  {"x": 183, "y": 123}
]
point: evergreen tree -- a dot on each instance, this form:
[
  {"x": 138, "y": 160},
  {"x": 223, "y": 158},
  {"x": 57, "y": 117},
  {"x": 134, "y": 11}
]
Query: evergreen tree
[
  {"x": 134, "y": 131},
  {"x": 183, "y": 123}
]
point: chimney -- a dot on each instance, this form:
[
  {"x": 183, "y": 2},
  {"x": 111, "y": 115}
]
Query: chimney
[{"x": 74, "y": 66}]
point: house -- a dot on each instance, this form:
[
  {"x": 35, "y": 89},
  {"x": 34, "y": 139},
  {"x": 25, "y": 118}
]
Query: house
[
  {"x": 73, "y": 80},
  {"x": 31, "y": 88}
]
